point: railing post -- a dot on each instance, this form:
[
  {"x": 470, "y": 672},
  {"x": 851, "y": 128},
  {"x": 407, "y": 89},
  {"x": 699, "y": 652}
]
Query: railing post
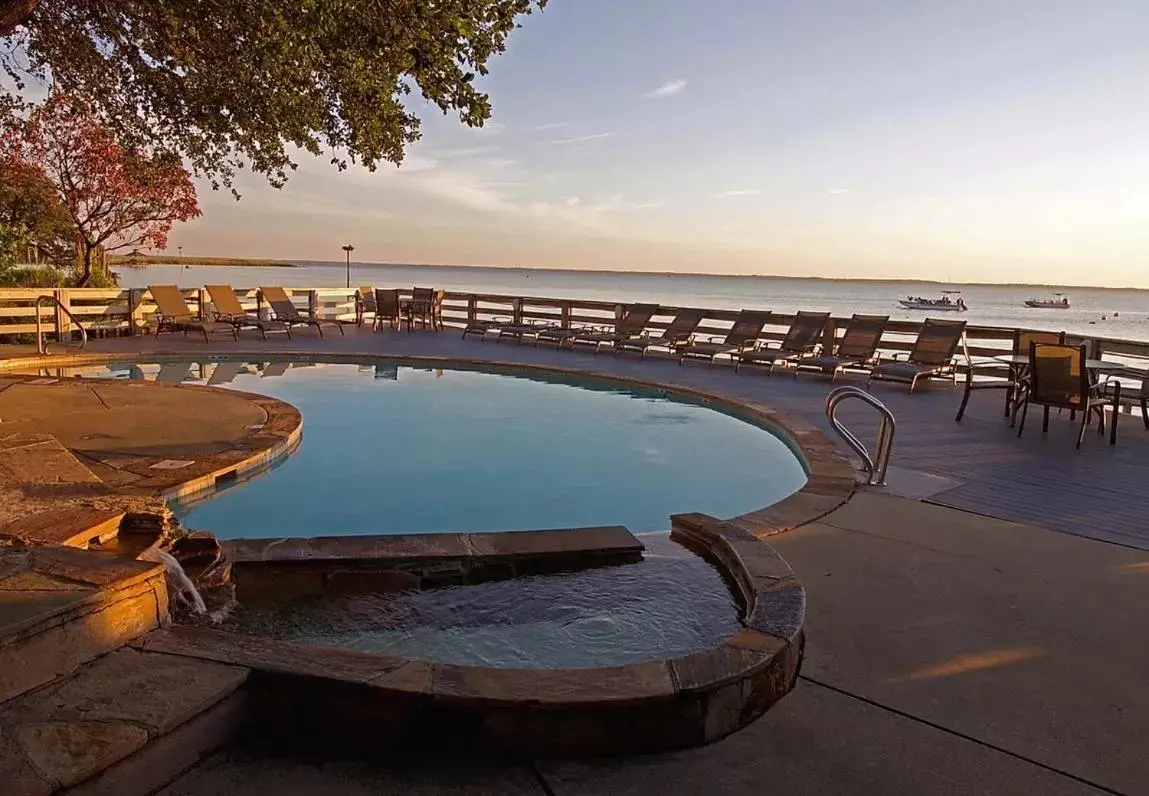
[
  {"x": 566, "y": 315},
  {"x": 472, "y": 309},
  {"x": 63, "y": 325},
  {"x": 517, "y": 310},
  {"x": 313, "y": 303},
  {"x": 201, "y": 299},
  {"x": 135, "y": 314}
]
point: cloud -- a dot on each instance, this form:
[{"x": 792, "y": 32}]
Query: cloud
[
  {"x": 491, "y": 128},
  {"x": 667, "y": 89},
  {"x": 647, "y": 205},
  {"x": 551, "y": 126},
  {"x": 736, "y": 192},
  {"x": 580, "y": 138},
  {"x": 836, "y": 191}
]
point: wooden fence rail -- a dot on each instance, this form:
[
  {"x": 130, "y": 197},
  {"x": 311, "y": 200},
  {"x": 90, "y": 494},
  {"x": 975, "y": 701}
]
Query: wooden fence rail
[{"x": 119, "y": 311}]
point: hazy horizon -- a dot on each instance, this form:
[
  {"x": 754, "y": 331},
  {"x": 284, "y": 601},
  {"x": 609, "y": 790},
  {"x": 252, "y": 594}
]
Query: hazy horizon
[{"x": 972, "y": 143}]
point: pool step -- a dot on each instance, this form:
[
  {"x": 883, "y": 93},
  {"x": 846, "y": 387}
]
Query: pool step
[
  {"x": 61, "y": 607},
  {"x": 123, "y": 725}
]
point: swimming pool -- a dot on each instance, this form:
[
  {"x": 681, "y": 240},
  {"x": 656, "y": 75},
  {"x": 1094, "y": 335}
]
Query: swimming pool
[{"x": 389, "y": 448}]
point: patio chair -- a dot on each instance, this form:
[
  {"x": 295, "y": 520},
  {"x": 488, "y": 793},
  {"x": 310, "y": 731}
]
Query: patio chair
[
  {"x": 1012, "y": 378},
  {"x": 173, "y": 315},
  {"x": 288, "y": 314},
  {"x": 1059, "y": 378},
  {"x": 631, "y": 324},
  {"x": 365, "y": 305},
  {"x": 421, "y": 307},
  {"x": 387, "y": 308},
  {"x": 675, "y": 335},
  {"x": 742, "y": 336},
  {"x": 801, "y": 338},
  {"x": 858, "y": 348},
  {"x": 931, "y": 357},
  {"x": 1132, "y": 395},
  {"x": 228, "y": 309}
]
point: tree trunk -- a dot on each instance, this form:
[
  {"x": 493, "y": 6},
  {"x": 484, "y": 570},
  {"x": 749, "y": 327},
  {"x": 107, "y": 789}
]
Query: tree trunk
[
  {"x": 86, "y": 250},
  {"x": 14, "y": 13}
]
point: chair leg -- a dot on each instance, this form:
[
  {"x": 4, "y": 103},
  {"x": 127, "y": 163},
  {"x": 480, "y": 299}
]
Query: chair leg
[
  {"x": 1084, "y": 423},
  {"x": 1024, "y": 414},
  {"x": 1045, "y": 420},
  {"x": 1145, "y": 412},
  {"x": 319, "y": 329},
  {"x": 965, "y": 400}
]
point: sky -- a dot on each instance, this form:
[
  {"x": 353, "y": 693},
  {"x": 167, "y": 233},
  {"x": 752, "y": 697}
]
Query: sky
[{"x": 951, "y": 139}]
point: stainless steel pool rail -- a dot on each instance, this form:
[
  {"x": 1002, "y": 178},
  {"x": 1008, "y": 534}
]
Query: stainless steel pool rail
[
  {"x": 874, "y": 467},
  {"x": 41, "y": 345}
]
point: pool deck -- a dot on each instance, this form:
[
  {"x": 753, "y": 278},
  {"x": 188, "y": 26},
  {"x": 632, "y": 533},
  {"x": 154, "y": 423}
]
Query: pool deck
[{"x": 976, "y": 628}]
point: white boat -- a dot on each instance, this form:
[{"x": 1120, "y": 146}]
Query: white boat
[
  {"x": 950, "y": 301},
  {"x": 1059, "y": 301}
]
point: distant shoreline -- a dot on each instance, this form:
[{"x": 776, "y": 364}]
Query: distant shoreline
[
  {"x": 884, "y": 280},
  {"x": 228, "y": 262}
]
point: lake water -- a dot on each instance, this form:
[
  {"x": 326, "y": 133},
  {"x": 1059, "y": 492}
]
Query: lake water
[{"x": 1097, "y": 312}]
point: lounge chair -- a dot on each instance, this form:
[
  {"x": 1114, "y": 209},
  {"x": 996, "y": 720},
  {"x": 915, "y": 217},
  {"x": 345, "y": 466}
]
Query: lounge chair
[
  {"x": 173, "y": 315},
  {"x": 801, "y": 338},
  {"x": 173, "y": 372},
  {"x": 558, "y": 336},
  {"x": 931, "y": 357},
  {"x": 517, "y": 330},
  {"x": 676, "y": 334},
  {"x": 742, "y": 336},
  {"x": 483, "y": 326},
  {"x": 1011, "y": 377},
  {"x": 287, "y": 313},
  {"x": 225, "y": 373},
  {"x": 857, "y": 348},
  {"x": 1058, "y": 378},
  {"x": 228, "y": 309},
  {"x": 632, "y": 324}
]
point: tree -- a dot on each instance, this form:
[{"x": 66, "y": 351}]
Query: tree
[
  {"x": 116, "y": 197},
  {"x": 231, "y": 84},
  {"x": 30, "y": 207}
]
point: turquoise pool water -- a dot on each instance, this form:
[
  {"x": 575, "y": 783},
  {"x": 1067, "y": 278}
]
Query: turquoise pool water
[{"x": 397, "y": 449}]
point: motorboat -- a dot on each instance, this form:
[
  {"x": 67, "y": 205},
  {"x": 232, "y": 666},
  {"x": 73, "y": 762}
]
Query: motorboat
[
  {"x": 949, "y": 301},
  {"x": 1058, "y": 301}
]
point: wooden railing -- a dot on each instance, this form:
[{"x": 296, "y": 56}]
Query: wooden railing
[{"x": 117, "y": 311}]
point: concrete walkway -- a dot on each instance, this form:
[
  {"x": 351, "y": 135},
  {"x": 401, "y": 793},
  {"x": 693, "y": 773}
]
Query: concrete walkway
[{"x": 948, "y": 652}]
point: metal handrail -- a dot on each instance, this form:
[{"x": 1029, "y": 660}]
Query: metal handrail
[
  {"x": 874, "y": 467},
  {"x": 41, "y": 346}
]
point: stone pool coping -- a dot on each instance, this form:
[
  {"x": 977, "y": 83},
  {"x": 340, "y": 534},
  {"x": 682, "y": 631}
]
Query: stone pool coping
[
  {"x": 316, "y": 692},
  {"x": 287, "y": 568}
]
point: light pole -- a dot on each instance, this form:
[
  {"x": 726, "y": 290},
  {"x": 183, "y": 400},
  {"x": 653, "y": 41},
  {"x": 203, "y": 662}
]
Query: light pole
[
  {"x": 181, "y": 251},
  {"x": 348, "y": 248}
]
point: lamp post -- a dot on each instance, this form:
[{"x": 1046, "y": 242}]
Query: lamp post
[
  {"x": 181, "y": 251},
  {"x": 348, "y": 248}
]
